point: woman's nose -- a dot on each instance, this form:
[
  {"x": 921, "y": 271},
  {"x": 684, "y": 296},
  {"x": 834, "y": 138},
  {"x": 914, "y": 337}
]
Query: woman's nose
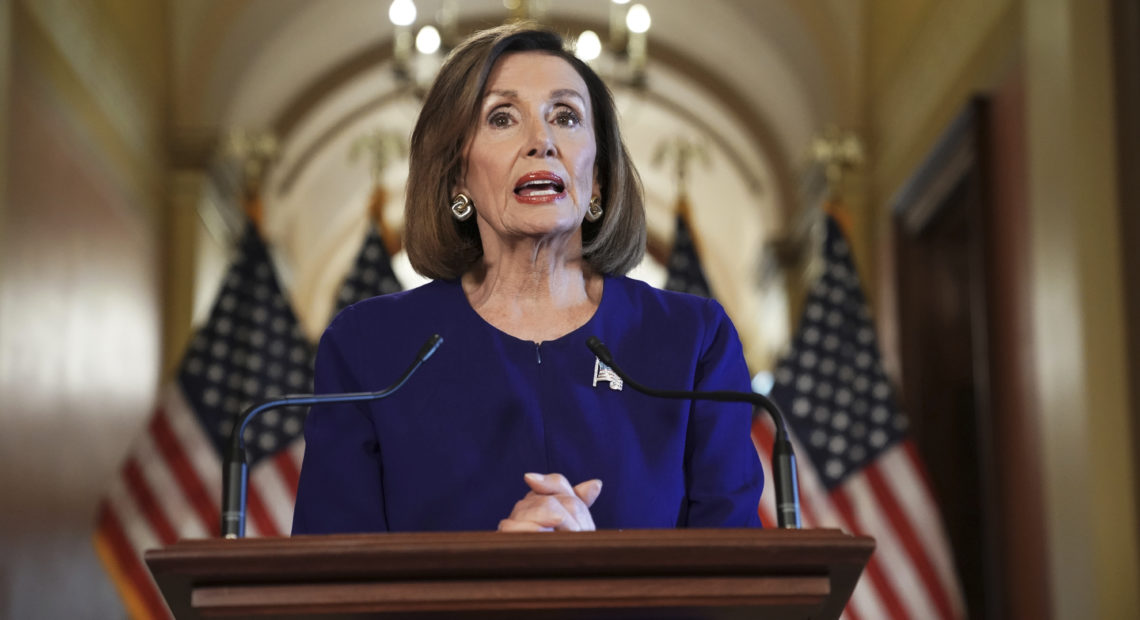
[{"x": 542, "y": 141}]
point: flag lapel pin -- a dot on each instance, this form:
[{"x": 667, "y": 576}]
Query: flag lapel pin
[{"x": 605, "y": 373}]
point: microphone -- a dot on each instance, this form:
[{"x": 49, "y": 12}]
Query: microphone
[
  {"x": 783, "y": 457},
  {"x": 235, "y": 471}
]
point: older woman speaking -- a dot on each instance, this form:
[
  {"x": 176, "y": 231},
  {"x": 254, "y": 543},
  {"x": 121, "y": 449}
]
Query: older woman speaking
[{"x": 523, "y": 206}]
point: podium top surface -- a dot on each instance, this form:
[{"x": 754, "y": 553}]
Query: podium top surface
[{"x": 805, "y": 573}]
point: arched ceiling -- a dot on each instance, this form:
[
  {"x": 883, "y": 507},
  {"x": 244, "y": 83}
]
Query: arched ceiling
[{"x": 788, "y": 68}]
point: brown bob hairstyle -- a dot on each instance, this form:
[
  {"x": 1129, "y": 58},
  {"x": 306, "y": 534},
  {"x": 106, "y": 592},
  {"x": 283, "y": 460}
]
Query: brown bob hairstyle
[{"x": 441, "y": 247}]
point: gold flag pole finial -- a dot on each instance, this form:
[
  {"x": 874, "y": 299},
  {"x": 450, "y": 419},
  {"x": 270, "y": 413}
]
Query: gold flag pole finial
[
  {"x": 681, "y": 152},
  {"x": 383, "y": 147},
  {"x": 838, "y": 152},
  {"x": 254, "y": 152}
]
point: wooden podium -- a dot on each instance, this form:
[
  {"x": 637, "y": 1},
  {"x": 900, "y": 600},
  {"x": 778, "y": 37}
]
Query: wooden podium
[{"x": 608, "y": 574}]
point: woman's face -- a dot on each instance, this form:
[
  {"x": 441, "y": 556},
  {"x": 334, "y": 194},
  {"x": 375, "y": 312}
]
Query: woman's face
[{"x": 530, "y": 162}]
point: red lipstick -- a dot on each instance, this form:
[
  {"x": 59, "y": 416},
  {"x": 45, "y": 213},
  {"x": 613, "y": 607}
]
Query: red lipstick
[{"x": 539, "y": 187}]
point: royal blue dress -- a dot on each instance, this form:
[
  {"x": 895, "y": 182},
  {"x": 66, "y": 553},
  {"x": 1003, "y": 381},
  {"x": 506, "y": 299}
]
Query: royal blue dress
[{"x": 448, "y": 451}]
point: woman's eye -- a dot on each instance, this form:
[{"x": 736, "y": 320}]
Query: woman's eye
[
  {"x": 499, "y": 120},
  {"x": 567, "y": 118}
]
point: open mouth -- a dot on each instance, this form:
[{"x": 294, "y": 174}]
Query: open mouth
[{"x": 539, "y": 185}]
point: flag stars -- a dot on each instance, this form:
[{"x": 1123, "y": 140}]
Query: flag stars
[
  {"x": 818, "y": 438},
  {"x": 808, "y": 359},
  {"x": 194, "y": 365},
  {"x": 821, "y": 414},
  {"x": 811, "y": 335},
  {"x": 827, "y": 367},
  {"x": 801, "y": 407},
  {"x": 865, "y": 336},
  {"x": 878, "y": 438},
  {"x": 837, "y": 444},
  {"x": 784, "y": 375}
]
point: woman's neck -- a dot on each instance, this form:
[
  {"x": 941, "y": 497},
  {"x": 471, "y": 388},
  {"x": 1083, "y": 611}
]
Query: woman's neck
[{"x": 532, "y": 297}]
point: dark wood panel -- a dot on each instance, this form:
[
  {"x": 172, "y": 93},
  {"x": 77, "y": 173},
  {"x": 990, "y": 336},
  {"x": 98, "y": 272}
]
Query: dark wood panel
[
  {"x": 636, "y": 573},
  {"x": 1126, "y": 63}
]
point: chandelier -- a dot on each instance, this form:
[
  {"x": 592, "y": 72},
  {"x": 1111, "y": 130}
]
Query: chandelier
[{"x": 620, "y": 58}]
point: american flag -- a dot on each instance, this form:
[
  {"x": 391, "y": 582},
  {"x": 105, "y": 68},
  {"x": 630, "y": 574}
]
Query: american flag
[
  {"x": 685, "y": 273},
  {"x": 858, "y": 471},
  {"x": 371, "y": 274},
  {"x": 169, "y": 488}
]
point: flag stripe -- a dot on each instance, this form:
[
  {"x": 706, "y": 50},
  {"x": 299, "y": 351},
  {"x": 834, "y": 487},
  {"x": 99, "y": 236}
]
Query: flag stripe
[
  {"x": 816, "y": 511},
  {"x": 905, "y": 531},
  {"x": 148, "y": 505},
  {"x": 902, "y": 575},
  {"x": 873, "y": 571},
  {"x": 257, "y": 513},
  {"x": 912, "y": 488},
  {"x": 126, "y": 556},
  {"x": 168, "y": 493},
  {"x": 277, "y": 496},
  {"x": 288, "y": 467},
  {"x": 203, "y": 461},
  {"x": 170, "y": 486},
  {"x": 132, "y": 598},
  {"x": 865, "y": 600},
  {"x": 179, "y": 465}
]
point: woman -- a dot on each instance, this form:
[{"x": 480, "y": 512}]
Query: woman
[{"x": 524, "y": 207}]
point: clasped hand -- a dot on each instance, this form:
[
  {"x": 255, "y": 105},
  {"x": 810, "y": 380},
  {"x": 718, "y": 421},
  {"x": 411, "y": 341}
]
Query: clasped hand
[{"x": 552, "y": 504}]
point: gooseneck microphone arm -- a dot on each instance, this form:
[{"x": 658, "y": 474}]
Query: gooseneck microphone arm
[
  {"x": 235, "y": 470},
  {"x": 783, "y": 457}
]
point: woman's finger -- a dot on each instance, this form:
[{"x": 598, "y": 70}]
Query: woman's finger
[
  {"x": 514, "y": 525},
  {"x": 548, "y": 484},
  {"x": 588, "y": 491}
]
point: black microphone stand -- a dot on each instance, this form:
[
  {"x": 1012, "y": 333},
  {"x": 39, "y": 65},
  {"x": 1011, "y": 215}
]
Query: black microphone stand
[
  {"x": 235, "y": 470},
  {"x": 783, "y": 457}
]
